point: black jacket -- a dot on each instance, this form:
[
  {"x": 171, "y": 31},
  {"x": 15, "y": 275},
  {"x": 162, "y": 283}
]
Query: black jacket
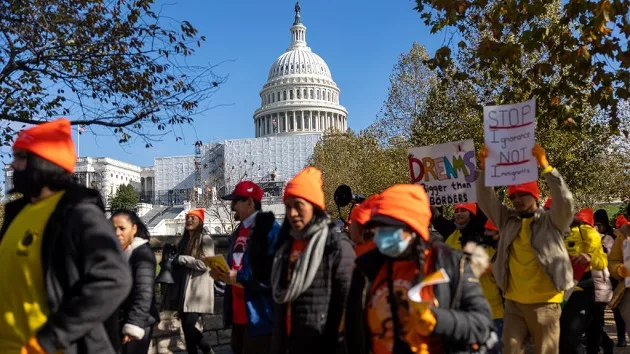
[
  {"x": 463, "y": 316},
  {"x": 85, "y": 274},
  {"x": 318, "y": 312},
  {"x": 472, "y": 232},
  {"x": 140, "y": 308}
]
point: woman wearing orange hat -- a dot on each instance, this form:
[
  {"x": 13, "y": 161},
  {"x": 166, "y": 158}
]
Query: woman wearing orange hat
[
  {"x": 193, "y": 292},
  {"x": 466, "y": 226},
  {"x": 416, "y": 295},
  {"x": 311, "y": 272},
  {"x": 359, "y": 234},
  {"x": 489, "y": 285}
]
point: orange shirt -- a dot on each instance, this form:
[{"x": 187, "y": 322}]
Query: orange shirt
[
  {"x": 297, "y": 248},
  {"x": 378, "y": 309}
]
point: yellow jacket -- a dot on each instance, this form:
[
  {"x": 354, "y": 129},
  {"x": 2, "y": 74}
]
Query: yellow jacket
[{"x": 585, "y": 239}]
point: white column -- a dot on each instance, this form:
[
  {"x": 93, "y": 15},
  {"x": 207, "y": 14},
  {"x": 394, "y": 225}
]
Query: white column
[
  {"x": 294, "y": 121},
  {"x": 303, "y": 121},
  {"x": 316, "y": 121}
]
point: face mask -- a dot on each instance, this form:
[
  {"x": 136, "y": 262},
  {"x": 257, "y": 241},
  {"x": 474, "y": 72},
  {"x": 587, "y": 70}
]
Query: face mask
[{"x": 389, "y": 241}]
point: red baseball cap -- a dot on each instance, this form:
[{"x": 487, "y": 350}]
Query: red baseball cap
[{"x": 245, "y": 189}]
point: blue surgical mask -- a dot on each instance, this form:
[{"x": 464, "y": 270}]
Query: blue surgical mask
[{"x": 389, "y": 241}]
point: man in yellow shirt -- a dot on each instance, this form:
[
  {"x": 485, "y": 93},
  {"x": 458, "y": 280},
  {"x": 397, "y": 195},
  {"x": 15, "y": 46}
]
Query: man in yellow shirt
[
  {"x": 532, "y": 267},
  {"x": 62, "y": 271}
]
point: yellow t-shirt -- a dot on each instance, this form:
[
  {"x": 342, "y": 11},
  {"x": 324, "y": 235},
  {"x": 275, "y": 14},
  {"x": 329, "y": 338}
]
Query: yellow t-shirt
[
  {"x": 454, "y": 240},
  {"x": 24, "y": 306},
  {"x": 491, "y": 290},
  {"x": 528, "y": 283}
]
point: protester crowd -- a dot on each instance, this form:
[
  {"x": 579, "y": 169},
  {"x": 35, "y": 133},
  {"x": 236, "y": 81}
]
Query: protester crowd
[{"x": 498, "y": 276}]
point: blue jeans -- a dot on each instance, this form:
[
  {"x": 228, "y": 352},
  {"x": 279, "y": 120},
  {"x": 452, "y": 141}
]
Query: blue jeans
[{"x": 498, "y": 326}]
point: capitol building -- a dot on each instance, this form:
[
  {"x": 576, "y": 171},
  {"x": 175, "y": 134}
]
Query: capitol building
[
  {"x": 299, "y": 102},
  {"x": 300, "y": 95}
]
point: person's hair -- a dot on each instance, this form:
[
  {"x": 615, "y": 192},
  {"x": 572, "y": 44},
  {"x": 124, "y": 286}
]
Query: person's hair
[
  {"x": 142, "y": 230},
  {"x": 44, "y": 173},
  {"x": 194, "y": 246},
  {"x": 257, "y": 205}
]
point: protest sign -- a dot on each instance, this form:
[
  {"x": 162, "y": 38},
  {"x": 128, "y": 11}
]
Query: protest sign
[
  {"x": 509, "y": 137},
  {"x": 446, "y": 171}
]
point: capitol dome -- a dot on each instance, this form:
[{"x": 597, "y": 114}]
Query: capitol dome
[{"x": 300, "y": 95}]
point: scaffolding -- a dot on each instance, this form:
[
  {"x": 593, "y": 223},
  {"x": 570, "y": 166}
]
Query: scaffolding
[{"x": 216, "y": 168}]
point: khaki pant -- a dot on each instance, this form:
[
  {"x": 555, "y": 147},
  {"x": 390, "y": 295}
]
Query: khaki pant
[{"x": 541, "y": 321}]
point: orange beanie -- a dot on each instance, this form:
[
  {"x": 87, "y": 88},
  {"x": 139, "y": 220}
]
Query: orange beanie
[
  {"x": 407, "y": 203},
  {"x": 199, "y": 212},
  {"x": 361, "y": 213},
  {"x": 51, "y": 141},
  {"x": 471, "y": 207},
  {"x": 490, "y": 226},
  {"x": 307, "y": 185},
  {"x": 529, "y": 188},
  {"x": 586, "y": 216},
  {"x": 621, "y": 221}
]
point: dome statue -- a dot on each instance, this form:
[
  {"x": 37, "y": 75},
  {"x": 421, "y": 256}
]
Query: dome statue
[{"x": 300, "y": 96}]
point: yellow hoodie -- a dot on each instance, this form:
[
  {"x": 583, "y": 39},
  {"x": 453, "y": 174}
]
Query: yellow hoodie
[{"x": 585, "y": 239}]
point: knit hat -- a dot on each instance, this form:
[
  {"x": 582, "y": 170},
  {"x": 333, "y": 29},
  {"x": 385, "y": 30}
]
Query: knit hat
[
  {"x": 400, "y": 205},
  {"x": 199, "y": 212},
  {"x": 361, "y": 213},
  {"x": 490, "y": 226},
  {"x": 471, "y": 207},
  {"x": 548, "y": 203},
  {"x": 529, "y": 188},
  {"x": 51, "y": 141},
  {"x": 307, "y": 185},
  {"x": 245, "y": 189},
  {"x": 585, "y": 216},
  {"x": 621, "y": 221}
]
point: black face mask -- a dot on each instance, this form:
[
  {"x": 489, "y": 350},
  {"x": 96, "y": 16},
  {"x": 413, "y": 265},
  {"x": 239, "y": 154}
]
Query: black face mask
[{"x": 25, "y": 184}]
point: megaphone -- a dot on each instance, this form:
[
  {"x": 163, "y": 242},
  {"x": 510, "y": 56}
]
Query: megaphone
[
  {"x": 169, "y": 252},
  {"x": 343, "y": 196}
]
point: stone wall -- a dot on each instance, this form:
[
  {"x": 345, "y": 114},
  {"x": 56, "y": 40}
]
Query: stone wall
[{"x": 168, "y": 336}]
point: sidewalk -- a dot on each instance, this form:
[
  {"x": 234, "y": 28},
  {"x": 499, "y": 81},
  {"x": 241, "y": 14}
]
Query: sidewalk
[{"x": 609, "y": 327}]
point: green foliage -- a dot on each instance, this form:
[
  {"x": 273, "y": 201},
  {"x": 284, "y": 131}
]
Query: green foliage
[
  {"x": 126, "y": 197},
  {"x": 359, "y": 161},
  {"x": 570, "y": 55},
  {"x": 114, "y": 64},
  {"x": 425, "y": 107}
]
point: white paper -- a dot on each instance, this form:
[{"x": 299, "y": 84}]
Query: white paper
[
  {"x": 626, "y": 258},
  {"x": 509, "y": 137},
  {"x": 438, "y": 277},
  {"x": 446, "y": 171}
]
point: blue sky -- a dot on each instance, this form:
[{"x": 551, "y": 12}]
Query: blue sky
[{"x": 360, "y": 41}]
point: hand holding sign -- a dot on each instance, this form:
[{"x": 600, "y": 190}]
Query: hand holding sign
[
  {"x": 540, "y": 155},
  {"x": 483, "y": 154}
]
